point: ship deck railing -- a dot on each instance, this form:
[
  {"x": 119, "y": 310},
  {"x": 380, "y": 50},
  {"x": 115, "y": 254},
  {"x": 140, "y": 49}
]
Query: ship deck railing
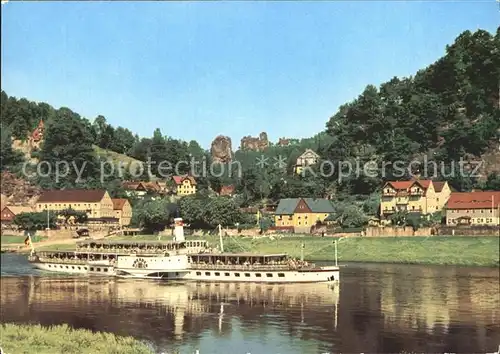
[
  {"x": 243, "y": 267},
  {"x": 125, "y": 251},
  {"x": 62, "y": 260}
]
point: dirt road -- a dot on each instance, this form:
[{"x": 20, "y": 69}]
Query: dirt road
[{"x": 22, "y": 248}]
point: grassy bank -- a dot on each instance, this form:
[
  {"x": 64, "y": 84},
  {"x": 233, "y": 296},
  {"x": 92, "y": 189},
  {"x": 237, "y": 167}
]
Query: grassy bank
[
  {"x": 17, "y": 339},
  {"x": 6, "y": 239},
  {"x": 438, "y": 250}
]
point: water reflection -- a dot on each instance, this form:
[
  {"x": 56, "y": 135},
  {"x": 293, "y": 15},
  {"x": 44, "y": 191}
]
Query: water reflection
[
  {"x": 420, "y": 308},
  {"x": 376, "y": 308},
  {"x": 165, "y": 312}
]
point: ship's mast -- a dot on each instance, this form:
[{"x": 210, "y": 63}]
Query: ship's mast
[{"x": 220, "y": 238}]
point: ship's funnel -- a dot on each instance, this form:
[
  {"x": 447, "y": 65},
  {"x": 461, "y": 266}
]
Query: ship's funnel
[{"x": 178, "y": 230}]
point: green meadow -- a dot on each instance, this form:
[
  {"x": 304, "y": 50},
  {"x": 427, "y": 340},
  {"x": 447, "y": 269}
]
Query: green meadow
[
  {"x": 20, "y": 339},
  {"x": 435, "y": 250}
]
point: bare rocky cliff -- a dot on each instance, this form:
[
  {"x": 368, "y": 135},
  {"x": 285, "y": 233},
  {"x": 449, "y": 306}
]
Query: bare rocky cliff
[
  {"x": 259, "y": 143},
  {"x": 18, "y": 191},
  {"x": 221, "y": 149}
]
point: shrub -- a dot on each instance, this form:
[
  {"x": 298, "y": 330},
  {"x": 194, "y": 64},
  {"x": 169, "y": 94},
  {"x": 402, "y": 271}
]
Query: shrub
[{"x": 64, "y": 339}]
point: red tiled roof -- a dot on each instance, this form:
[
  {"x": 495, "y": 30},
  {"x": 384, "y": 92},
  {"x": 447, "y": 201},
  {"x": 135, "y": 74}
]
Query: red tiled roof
[
  {"x": 226, "y": 190},
  {"x": 438, "y": 186},
  {"x": 118, "y": 203},
  {"x": 400, "y": 185},
  {"x": 474, "y": 200},
  {"x": 425, "y": 183},
  {"x": 130, "y": 185},
  {"x": 72, "y": 195},
  {"x": 180, "y": 179}
]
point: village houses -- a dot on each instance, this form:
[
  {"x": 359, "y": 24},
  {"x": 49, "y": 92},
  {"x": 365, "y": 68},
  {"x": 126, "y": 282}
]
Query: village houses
[
  {"x": 184, "y": 185},
  {"x": 122, "y": 210},
  {"x": 308, "y": 158},
  {"x": 141, "y": 188},
  {"x": 96, "y": 203},
  {"x": 302, "y": 213},
  {"x": 9, "y": 212},
  {"x": 227, "y": 190},
  {"x": 417, "y": 196},
  {"x": 473, "y": 208}
]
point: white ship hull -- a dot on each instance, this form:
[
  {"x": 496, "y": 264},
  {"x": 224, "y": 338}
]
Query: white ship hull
[
  {"x": 320, "y": 275},
  {"x": 83, "y": 268}
]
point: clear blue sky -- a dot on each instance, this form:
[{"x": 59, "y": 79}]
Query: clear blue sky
[{"x": 199, "y": 69}]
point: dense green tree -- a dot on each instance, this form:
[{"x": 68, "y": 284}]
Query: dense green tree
[
  {"x": 153, "y": 215},
  {"x": 202, "y": 212},
  {"x": 448, "y": 111},
  {"x": 221, "y": 211},
  {"x": 77, "y": 215},
  {"x": 492, "y": 183},
  {"x": 348, "y": 215},
  {"x": 67, "y": 157},
  {"x": 35, "y": 221},
  {"x": 9, "y": 158}
]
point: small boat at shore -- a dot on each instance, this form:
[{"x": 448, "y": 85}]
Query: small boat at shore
[{"x": 180, "y": 259}]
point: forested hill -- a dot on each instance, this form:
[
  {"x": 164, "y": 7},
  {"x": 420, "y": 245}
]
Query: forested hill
[{"x": 447, "y": 111}]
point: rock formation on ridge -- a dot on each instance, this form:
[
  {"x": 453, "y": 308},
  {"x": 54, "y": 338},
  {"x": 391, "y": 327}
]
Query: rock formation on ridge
[
  {"x": 221, "y": 149},
  {"x": 255, "y": 143}
]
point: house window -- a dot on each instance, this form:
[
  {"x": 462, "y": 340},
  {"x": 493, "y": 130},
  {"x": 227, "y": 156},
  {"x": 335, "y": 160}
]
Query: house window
[
  {"x": 269, "y": 275},
  {"x": 207, "y": 273},
  {"x": 236, "y": 274},
  {"x": 227, "y": 274},
  {"x": 281, "y": 275},
  {"x": 217, "y": 274},
  {"x": 258, "y": 275}
]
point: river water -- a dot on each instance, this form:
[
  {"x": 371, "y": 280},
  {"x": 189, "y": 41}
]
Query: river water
[{"x": 374, "y": 309}]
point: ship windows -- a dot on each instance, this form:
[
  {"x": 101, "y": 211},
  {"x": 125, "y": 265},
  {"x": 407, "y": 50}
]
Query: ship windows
[
  {"x": 79, "y": 268},
  {"x": 227, "y": 274},
  {"x": 72, "y": 267},
  {"x": 258, "y": 275},
  {"x": 207, "y": 273},
  {"x": 85, "y": 268},
  {"x": 98, "y": 269},
  {"x": 281, "y": 275},
  {"x": 217, "y": 274},
  {"x": 91, "y": 269},
  {"x": 269, "y": 275},
  {"x": 236, "y": 274},
  {"x": 247, "y": 275},
  {"x": 198, "y": 273},
  {"x": 105, "y": 269}
]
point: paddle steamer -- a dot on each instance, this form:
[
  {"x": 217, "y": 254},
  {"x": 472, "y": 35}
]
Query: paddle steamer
[{"x": 181, "y": 260}]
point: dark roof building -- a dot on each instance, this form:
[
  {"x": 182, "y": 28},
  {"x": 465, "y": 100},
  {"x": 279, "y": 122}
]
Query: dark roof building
[
  {"x": 289, "y": 206},
  {"x": 72, "y": 196}
]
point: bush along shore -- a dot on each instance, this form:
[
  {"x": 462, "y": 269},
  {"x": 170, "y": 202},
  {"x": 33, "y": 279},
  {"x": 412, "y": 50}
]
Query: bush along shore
[{"x": 18, "y": 339}]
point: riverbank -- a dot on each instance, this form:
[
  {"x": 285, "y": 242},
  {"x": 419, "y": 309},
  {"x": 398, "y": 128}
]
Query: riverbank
[
  {"x": 481, "y": 251},
  {"x": 63, "y": 339},
  {"x": 433, "y": 250}
]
